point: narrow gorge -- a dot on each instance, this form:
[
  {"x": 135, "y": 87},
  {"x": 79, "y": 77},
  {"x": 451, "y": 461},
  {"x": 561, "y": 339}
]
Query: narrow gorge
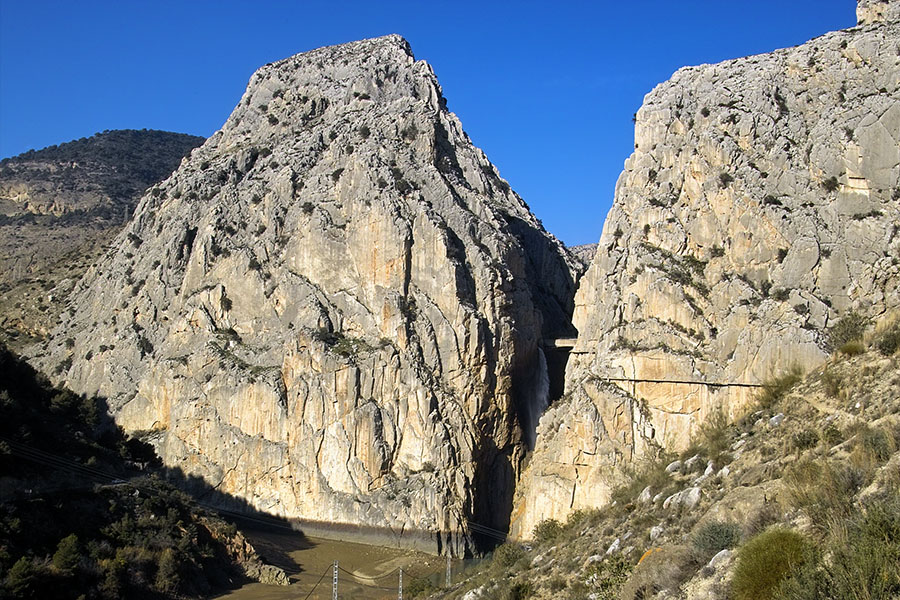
[{"x": 337, "y": 311}]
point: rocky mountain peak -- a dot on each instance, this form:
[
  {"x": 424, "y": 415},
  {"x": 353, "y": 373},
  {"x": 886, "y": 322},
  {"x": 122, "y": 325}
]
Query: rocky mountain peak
[{"x": 333, "y": 309}]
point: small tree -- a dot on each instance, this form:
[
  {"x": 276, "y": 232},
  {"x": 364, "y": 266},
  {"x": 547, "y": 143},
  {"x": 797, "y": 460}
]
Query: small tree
[
  {"x": 546, "y": 531},
  {"x": 167, "y": 571},
  {"x": 21, "y": 577},
  {"x": 67, "y": 555}
]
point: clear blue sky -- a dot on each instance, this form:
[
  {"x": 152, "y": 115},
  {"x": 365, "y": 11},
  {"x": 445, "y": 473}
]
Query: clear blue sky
[{"x": 546, "y": 89}]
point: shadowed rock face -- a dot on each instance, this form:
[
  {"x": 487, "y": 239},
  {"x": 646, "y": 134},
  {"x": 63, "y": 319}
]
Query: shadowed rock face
[
  {"x": 324, "y": 310},
  {"x": 760, "y": 205}
]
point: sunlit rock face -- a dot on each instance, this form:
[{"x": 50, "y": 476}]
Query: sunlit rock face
[
  {"x": 760, "y": 205},
  {"x": 326, "y": 309},
  {"x": 869, "y": 12}
]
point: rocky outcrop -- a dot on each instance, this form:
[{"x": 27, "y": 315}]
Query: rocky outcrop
[
  {"x": 761, "y": 204},
  {"x": 584, "y": 253},
  {"x": 59, "y": 207},
  {"x": 877, "y": 11},
  {"x": 333, "y": 309},
  {"x": 239, "y": 549}
]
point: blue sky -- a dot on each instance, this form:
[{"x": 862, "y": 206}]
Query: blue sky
[{"x": 546, "y": 89}]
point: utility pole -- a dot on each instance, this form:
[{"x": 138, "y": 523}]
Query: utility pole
[
  {"x": 334, "y": 581},
  {"x": 448, "y": 568},
  {"x": 400, "y": 589}
]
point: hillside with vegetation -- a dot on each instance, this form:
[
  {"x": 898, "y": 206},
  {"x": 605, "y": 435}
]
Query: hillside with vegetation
[
  {"x": 85, "y": 512},
  {"x": 796, "y": 500},
  {"x": 59, "y": 208}
]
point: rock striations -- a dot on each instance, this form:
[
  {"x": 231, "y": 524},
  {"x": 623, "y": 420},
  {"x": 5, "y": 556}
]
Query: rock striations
[
  {"x": 333, "y": 308},
  {"x": 761, "y": 203}
]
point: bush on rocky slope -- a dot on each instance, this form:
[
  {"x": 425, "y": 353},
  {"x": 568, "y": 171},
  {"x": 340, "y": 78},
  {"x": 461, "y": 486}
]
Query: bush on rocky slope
[
  {"x": 765, "y": 561},
  {"x": 811, "y": 467}
]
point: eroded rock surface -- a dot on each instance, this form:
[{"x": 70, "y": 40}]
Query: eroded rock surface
[
  {"x": 333, "y": 308},
  {"x": 761, "y": 203}
]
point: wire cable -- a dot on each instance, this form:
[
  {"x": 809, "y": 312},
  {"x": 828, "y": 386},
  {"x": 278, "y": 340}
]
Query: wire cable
[
  {"x": 368, "y": 585},
  {"x": 317, "y": 583}
]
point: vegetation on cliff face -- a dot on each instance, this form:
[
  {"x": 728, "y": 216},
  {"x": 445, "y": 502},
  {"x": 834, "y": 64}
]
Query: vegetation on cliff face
[
  {"x": 82, "y": 512},
  {"x": 796, "y": 500}
]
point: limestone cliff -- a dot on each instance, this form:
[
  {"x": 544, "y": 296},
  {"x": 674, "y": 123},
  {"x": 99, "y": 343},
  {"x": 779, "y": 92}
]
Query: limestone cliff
[
  {"x": 761, "y": 203},
  {"x": 333, "y": 308}
]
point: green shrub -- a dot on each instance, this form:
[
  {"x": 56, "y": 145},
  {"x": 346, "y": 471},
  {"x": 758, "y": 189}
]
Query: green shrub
[
  {"x": 21, "y": 579},
  {"x": 167, "y": 579},
  {"x": 418, "y": 587},
  {"x": 556, "y": 584},
  {"x": 714, "y": 536},
  {"x": 607, "y": 577},
  {"x": 506, "y": 555},
  {"x": 804, "y": 439},
  {"x": 888, "y": 339},
  {"x": 581, "y": 518},
  {"x": 67, "y": 556},
  {"x": 546, "y": 531},
  {"x": 831, "y": 382},
  {"x": 648, "y": 472},
  {"x": 850, "y": 328},
  {"x": 854, "y": 348},
  {"x": 715, "y": 436},
  {"x": 872, "y": 447},
  {"x": 832, "y": 435},
  {"x": 516, "y": 591},
  {"x": 776, "y": 388},
  {"x": 765, "y": 561},
  {"x": 822, "y": 489},
  {"x": 865, "y": 563}
]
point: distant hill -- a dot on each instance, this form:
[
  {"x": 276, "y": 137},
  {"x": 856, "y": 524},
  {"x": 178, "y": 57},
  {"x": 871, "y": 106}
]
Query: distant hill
[
  {"x": 60, "y": 205},
  {"x": 100, "y": 177}
]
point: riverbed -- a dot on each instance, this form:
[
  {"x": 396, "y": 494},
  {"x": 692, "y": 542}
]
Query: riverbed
[{"x": 365, "y": 572}]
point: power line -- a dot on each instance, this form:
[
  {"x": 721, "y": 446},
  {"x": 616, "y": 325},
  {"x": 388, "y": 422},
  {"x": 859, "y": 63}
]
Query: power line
[{"x": 685, "y": 381}]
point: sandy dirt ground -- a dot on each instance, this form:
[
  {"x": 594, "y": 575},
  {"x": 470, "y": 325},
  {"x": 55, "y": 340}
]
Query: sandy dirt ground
[{"x": 365, "y": 572}]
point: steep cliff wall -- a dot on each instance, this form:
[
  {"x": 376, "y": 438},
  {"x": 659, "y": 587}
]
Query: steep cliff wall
[
  {"x": 333, "y": 308},
  {"x": 761, "y": 203}
]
